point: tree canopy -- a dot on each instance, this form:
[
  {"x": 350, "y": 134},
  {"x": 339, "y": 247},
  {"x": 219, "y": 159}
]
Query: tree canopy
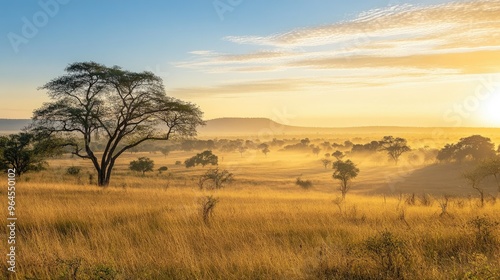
[
  {"x": 345, "y": 171},
  {"x": 394, "y": 147},
  {"x": 92, "y": 101},
  {"x": 142, "y": 164},
  {"x": 25, "y": 152},
  {"x": 204, "y": 158},
  {"x": 475, "y": 147}
]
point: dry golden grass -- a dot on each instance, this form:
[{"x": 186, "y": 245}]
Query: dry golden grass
[
  {"x": 157, "y": 233},
  {"x": 263, "y": 225}
]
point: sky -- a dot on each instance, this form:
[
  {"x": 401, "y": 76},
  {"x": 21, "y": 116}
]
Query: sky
[{"x": 323, "y": 63}]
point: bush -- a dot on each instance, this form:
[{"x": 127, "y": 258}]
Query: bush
[
  {"x": 73, "y": 170},
  {"x": 178, "y": 162},
  {"x": 305, "y": 184},
  {"x": 217, "y": 178},
  {"x": 161, "y": 169}
]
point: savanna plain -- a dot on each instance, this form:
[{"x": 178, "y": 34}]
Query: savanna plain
[{"x": 281, "y": 216}]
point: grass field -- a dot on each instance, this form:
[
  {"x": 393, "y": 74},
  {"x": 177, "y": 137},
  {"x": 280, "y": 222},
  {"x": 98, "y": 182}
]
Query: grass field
[{"x": 263, "y": 226}]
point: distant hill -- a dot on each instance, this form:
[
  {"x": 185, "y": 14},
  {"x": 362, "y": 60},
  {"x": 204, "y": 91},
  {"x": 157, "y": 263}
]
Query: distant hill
[
  {"x": 8, "y": 126},
  {"x": 267, "y": 128}
]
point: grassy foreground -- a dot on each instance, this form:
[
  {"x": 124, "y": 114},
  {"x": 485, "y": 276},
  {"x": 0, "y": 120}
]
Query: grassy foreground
[{"x": 70, "y": 231}]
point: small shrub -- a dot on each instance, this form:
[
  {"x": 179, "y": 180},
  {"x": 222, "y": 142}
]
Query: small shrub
[
  {"x": 207, "y": 204},
  {"x": 305, "y": 184},
  {"x": 103, "y": 272},
  {"x": 161, "y": 169},
  {"x": 68, "y": 269},
  {"x": 425, "y": 200},
  {"x": 178, "y": 162},
  {"x": 483, "y": 231},
  {"x": 217, "y": 178},
  {"x": 443, "y": 204},
  {"x": 389, "y": 252},
  {"x": 410, "y": 199},
  {"x": 73, "y": 170}
]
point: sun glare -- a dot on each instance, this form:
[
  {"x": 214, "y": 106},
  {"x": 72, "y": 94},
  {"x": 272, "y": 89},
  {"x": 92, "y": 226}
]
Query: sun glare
[{"x": 491, "y": 109}]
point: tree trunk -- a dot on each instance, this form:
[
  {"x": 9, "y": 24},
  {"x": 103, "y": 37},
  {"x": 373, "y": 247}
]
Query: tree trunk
[{"x": 102, "y": 181}]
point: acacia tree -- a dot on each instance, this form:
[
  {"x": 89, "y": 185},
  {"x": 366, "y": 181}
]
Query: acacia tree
[
  {"x": 394, "y": 147},
  {"x": 92, "y": 101},
  {"x": 345, "y": 171}
]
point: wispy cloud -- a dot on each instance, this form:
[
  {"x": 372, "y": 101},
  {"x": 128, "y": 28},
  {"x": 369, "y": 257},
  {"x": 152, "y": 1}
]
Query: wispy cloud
[{"x": 453, "y": 38}]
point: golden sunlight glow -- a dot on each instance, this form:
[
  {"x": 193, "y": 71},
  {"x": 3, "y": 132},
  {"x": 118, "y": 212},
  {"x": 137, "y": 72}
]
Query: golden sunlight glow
[{"x": 491, "y": 109}]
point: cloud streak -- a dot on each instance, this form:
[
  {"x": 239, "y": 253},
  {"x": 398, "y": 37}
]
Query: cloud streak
[{"x": 455, "y": 38}]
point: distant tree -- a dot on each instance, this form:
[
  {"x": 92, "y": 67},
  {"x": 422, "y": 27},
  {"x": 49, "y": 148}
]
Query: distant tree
[
  {"x": 394, "y": 147},
  {"x": 26, "y": 151},
  {"x": 475, "y": 177},
  {"x": 326, "y": 162},
  {"x": 142, "y": 164},
  {"x": 338, "y": 155},
  {"x": 204, "y": 158},
  {"x": 348, "y": 144},
  {"x": 217, "y": 178},
  {"x": 165, "y": 151},
  {"x": 305, "y": 184},
  {"x": 344, "y": 171},
  {"x": 241, "y": 150},
  {"x": 277, "y": 143},
  {"x": 161, "y": 169},
  {"x": 123, "y": 108},
  {"x": 265, "y": 151},
  {"x": 264, "y": 148},
  {"x": 475, "y": 147},
  {"x": 316, "y": 150},
  {"x": 326, "y": 146},
  {"x": 491, "y": 167},
  {"x": 305, "y": 141},
  {"x": 447, "y": 153}
]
